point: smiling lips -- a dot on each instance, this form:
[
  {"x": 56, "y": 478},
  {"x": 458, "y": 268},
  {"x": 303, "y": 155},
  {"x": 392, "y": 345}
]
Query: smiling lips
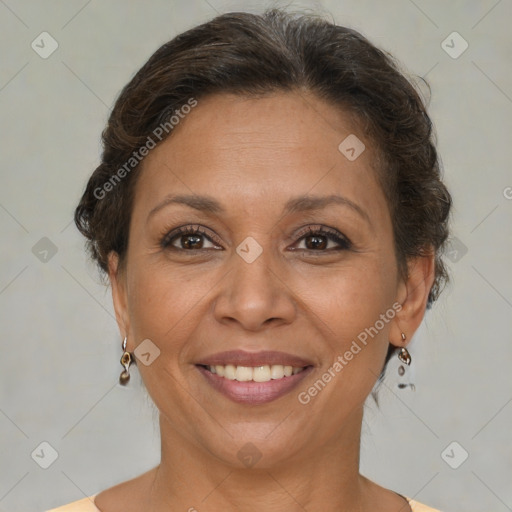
[
  {"x": 254, "y": 378},
  {"x": 263, "y": 373}
]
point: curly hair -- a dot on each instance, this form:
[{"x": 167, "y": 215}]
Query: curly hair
[{"x": 250, "y": 54}]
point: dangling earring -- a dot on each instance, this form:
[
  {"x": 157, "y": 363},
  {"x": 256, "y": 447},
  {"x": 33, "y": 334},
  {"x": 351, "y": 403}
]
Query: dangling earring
[
  {"x": 126, "y": 361},
  {"x": 403, "y": 354},
  {"x": 404, "y": 357}
]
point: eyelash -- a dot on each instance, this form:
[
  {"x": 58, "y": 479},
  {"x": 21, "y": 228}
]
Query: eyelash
[
  {"x": 331, "y": 234},
  {"x": 341, "y": 240}
]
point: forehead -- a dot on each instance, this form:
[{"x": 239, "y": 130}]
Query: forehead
[{"x": 260, "y": 150}]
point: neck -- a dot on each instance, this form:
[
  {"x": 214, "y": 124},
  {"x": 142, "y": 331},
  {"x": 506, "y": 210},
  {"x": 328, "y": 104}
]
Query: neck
[{"x": 325, "y": 475}]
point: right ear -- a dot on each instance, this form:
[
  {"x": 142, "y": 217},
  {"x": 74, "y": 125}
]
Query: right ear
[{"x": 119, "y": 296}]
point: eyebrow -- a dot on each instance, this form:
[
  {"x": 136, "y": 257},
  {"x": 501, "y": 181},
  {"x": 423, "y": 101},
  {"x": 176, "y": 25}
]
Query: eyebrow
[{"x": 302, "y": 203}]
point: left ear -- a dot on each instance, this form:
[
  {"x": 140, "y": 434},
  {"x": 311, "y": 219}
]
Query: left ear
[{"x": 413, "y": 295}]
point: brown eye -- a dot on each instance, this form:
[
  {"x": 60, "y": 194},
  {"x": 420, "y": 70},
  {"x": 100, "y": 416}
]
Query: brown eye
[
  {"x": 191, "y": 241},
  {"x": 318, "y": 240},
  {"x": 187, "y": 239}
]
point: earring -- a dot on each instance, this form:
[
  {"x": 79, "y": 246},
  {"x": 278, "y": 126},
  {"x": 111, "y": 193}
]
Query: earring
[
  {"x": 126, "y": 361},
  {"x": 403, "y": 354},
  {"x": 404, "y": 357}
]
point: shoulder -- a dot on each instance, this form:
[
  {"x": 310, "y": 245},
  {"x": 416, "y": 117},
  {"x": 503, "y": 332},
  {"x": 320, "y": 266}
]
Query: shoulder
[
  {"x": 84, "y": 505},
  {"x": 416, "y": 506}
]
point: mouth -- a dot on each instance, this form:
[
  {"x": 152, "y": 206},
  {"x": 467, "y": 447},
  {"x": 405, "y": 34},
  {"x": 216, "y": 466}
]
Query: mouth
[
  {"x": 264, "y": 373},
  {"x": 253, "y": 385}
]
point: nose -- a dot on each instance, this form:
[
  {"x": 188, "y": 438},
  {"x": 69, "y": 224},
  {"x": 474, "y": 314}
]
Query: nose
[{"x": 255, "y": 294}]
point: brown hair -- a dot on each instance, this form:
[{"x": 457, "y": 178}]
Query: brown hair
[{"x": 251, "y": 54}]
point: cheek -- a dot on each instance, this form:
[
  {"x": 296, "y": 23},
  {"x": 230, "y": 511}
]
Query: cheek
[
  {"x": 155, "y": 304},
  {"x": 359, "y": 293},
  {"x": 356, "y": 316},
  {"x": 358, "y": 313},
  {"x": 166, "y": 304},
  {"x": 161, "y": 309}
]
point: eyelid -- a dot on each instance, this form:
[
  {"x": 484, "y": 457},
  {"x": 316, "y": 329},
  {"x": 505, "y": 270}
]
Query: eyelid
[
  {"x": 343, "y": 241},
  {"x": 189, "y": 229}
]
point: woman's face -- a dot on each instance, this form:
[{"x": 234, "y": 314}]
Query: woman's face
[{"x": 268, "y": 271}]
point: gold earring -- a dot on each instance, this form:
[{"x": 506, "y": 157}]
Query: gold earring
[
  {"x": 403, "y": 354},
  {"x": 126, "y": 361}
]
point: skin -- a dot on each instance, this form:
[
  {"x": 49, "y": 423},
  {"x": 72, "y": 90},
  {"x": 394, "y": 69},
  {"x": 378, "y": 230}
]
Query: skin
[{"x": 252, "y": 155}]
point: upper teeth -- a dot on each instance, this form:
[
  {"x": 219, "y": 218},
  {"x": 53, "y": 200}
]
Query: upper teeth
[{"x": 257, "y": 374}]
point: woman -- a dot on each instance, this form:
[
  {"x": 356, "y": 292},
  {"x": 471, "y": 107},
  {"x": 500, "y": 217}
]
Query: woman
[{"x": 270, "y": 213}]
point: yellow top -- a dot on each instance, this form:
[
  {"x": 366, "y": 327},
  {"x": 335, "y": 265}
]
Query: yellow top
[{"x": 87, "y": 505}]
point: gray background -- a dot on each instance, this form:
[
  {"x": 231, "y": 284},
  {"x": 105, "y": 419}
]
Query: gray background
[{"x": 60, "y": 353}]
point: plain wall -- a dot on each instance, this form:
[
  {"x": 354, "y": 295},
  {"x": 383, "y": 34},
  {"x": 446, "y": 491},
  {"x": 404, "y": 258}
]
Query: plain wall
[{"x": 59, "y": 362}]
